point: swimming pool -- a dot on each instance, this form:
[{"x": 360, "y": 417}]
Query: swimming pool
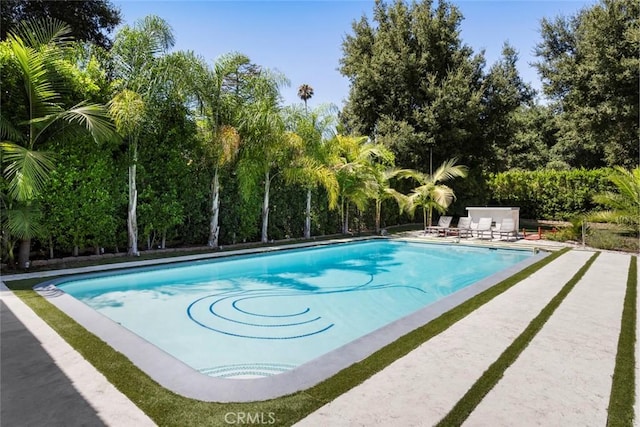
[{"x": 266, "y": 315}]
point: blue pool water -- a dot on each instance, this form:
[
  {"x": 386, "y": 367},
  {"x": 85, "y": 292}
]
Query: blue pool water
[{"x": 260, "y": 315}]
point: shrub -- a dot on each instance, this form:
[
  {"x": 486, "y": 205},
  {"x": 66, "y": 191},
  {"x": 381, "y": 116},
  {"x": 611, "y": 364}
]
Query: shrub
[{"x": 548, "y": 194}]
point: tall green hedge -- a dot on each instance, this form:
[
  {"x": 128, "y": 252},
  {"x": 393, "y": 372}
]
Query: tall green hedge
[{"x": 548, "y": 194}]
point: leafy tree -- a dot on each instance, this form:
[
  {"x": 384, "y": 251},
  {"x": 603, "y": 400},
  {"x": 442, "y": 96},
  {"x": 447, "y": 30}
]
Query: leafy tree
[
  {"x": 431, "y": 193},
  {"x": 414, "y": 86},
  {"x": 590, "y": 68},
  {"x": 505, "y": 95},
  {"x": 33, "y": 50},
  {"x": 534, "y": 134},
  {"x": 88, "y": 20},
  {"x": 624, "y": 203}
]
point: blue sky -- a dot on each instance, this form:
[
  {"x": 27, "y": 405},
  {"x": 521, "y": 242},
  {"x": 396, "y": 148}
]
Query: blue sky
[{"x": 303, "y": 38}]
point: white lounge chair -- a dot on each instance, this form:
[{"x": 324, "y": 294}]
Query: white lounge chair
[
  {"x": 464, "y": 227},
  {"x": 484, "y": 226},
  {"x": 507, "y": 228},
  {"x": 443, "y": 225}
]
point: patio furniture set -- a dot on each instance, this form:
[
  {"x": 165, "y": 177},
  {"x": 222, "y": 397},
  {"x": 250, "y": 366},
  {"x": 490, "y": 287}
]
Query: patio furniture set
[{"x": 481, "y": 223}]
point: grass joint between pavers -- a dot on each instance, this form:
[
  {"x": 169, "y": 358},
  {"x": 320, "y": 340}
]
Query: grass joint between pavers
[
  {"x": 472, "y": 398},
  {"x": 622, "y": 398}
]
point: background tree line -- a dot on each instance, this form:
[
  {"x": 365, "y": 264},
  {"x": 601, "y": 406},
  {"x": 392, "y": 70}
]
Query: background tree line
[
  {"x": 416, "y": 87},
  {"x": 205, "y": 153}
]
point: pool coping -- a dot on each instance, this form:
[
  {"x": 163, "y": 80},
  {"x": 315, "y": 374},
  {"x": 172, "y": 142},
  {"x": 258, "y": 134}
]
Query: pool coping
[{"x": 182, "y": 379}]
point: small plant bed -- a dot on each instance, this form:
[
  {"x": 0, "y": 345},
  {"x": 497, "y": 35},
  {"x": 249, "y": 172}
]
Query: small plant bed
[{"x": 596, "y": 235}]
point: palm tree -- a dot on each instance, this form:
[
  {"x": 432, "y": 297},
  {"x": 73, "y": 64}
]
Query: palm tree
[
  {"x": 305, "y": 92},
  {"x": 266, "y": 143},
  {"x": 311, "y": 165},
  {"x": 431, "y": 194},
  {"x": 382, "y": 190},
  {"x": 141, "y": 71},
  {"x": 625, "y": 203},
  {"x": 36, "y": 46},
  {"x": 353, "y": 165},
  {"x": 218, "y": 110}
]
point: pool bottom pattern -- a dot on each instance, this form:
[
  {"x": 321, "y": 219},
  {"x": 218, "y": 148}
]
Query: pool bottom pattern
[
  {"x": 224, "y": 313},
  {"x": 247, "y": 370}
]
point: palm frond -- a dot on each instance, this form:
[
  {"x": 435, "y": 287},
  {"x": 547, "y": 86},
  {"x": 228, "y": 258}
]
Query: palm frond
[
  {"x": 39, "y": 32},
  {"x": 449, "y": 170},
  {"x": 9, "y": 131},
  {"x": 26, "y": 171},
  {"x": 443, "y": 196},
  {"x": 229, "y": 143},
  {"x": 158, "y": 31},
  {"x": 127, "y": 109},
  {"x": 38, "y": 87},
  {"x": 624, "y": 204},
  {"x": 92, "y": 117},
  {"x": 23, "y": 221},
  {"x": 248, "y": 177}
]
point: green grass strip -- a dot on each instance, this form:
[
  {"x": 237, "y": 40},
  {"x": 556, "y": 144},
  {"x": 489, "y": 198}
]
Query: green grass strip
[
  {"x": 169, "y": 409},
  {"x": 620, "y": 412},
  {"x": 472, "y": 398}
]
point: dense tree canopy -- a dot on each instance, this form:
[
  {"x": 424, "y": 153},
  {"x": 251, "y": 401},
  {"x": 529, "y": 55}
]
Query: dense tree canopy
[
  {"x": 506, "y": 97},
  {"x": 89, "y": 20},
  {"x": 418, "y": 89},
  {"x": 590, "y": 69}
]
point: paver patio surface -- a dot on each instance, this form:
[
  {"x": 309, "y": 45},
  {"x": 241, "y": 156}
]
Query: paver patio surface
[
  {"x": 423, "y": 386},
  {"x": 563, "y": 378}
]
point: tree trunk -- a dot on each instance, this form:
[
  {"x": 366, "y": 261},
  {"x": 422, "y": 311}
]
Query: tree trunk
[
  {"x": 214, "y": 228},
  {"x": 132, "y": 221},
  {"x": 164, "y": 239},
  {"x": 345, "y": 223},
  {"x": 98, "y": 251},
  {"x": 424, "y": 218},
  {"x": 265, "y": 208},
  {"x": 24, "y": 252},
  {"x": 378, "y": 210},
  {"x": 307, "y": 219},
  {"x": 76, "y": 250},
  {"x": 51, "y": 247}
]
